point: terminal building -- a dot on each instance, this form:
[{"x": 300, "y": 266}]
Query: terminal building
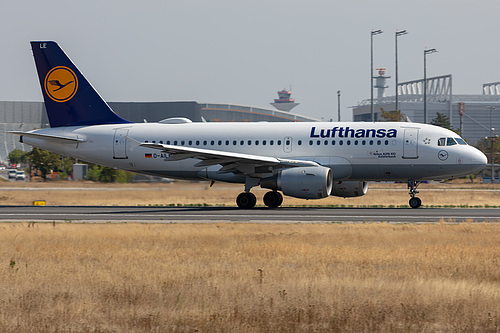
[
  {"x": 25, "y": 116},
  {"x": 474, "y": 116}
]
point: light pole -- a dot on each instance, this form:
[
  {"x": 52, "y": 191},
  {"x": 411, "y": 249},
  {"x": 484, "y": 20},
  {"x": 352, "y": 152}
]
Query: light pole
[
  {"x": 338, "y": 106},
  {"x": 398, "y": 33},
  {"x": 373, "y": 33},
  {"x": 426, "y": 52},
  {"x": 492, "y": 138}
]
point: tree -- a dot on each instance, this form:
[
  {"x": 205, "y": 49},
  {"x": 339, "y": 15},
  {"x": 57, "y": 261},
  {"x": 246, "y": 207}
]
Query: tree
[
  {"x": 443, "y": 121},
  {"x": 484, "y": 145},
  {"x": 108, "y": 175},
  {"x": 392, "y": 115},
  {"x": 17, "y": 156},
  {"x": 45, "y": 161}
]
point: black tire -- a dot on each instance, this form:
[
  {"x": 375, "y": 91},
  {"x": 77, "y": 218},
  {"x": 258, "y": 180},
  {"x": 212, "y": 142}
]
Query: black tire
[
  {"x": 415, "y": 202},
  {"x": 273, "y": 199},
  {"x": 246, "y": 200}
]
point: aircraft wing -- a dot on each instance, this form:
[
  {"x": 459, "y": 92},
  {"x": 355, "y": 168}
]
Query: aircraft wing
[{"x": 229, "y": 160}]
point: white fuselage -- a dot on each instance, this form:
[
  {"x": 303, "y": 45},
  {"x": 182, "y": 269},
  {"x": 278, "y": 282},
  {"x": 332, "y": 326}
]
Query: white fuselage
[{"x": 355, "y": 151}]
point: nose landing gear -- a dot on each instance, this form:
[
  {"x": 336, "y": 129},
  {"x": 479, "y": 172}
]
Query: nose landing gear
[{"x": 414, "y": 202}]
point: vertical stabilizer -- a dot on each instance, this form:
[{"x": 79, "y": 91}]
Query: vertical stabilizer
[{"x": 69, "y": 98}]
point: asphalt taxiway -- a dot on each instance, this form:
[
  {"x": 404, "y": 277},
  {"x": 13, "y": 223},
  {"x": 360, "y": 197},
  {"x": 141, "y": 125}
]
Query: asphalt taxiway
[{"x": 115, "y": 214}]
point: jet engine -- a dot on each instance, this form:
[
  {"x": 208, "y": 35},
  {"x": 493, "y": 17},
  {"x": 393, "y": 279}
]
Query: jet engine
[
  {"x": 349, "y": 189},
  {"x": 313, "y": 182}
]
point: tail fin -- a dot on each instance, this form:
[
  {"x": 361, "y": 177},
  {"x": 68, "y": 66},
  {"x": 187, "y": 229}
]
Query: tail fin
[{"x": 69, "y": 98}]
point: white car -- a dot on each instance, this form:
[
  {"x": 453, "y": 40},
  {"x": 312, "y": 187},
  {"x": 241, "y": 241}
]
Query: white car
[
  {"x": 12, "y": 173},
  {"x": 20, "y": 175}
]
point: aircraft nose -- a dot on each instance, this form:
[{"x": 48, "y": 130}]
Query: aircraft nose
[{"x": 478, "y": 159}]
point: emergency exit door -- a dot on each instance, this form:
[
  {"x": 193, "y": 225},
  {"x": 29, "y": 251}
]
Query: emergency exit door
[
  {"x": 120, "y": 143},
  {"x": 410, "y": 146}
]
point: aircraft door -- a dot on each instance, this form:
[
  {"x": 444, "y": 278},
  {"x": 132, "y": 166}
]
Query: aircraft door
[
  {"x": 410, "y": 145},
  {"x": 120, "y": 143},
  {"x": 287, "y": 144}
]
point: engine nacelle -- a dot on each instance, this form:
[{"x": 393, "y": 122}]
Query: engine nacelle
[
  {"x": 302, "y": 182},
  {"x": 349, "y": 189}
]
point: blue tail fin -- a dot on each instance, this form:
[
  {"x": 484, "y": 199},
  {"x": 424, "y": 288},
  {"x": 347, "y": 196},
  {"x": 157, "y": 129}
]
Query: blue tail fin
[{"x": 69, "y": 98}]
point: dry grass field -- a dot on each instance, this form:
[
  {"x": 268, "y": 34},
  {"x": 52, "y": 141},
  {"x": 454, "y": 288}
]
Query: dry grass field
[
  {"x": 200, "y": 193},
  {"x": 249, "y": 278}
]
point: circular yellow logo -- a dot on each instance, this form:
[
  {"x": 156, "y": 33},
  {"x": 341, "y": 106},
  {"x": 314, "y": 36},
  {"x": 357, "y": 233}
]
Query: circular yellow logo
[{"x": 61, "y": 84}]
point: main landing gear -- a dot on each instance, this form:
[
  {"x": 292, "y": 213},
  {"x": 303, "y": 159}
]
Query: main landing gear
[
  {"x": 273, "y": 199},
  {"x": 247, "y": 200},
  {"x": 415, "y": 201}
]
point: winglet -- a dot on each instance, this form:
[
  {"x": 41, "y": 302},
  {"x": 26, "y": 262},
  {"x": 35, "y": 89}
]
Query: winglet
[{"x": 69, "y": 98}]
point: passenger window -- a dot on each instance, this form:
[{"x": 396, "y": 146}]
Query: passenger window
[
  {"x": 271, "y": 142},
  {"x": 461, "y": 141},
  {"x": 310, "y": 142},
  {"x": 234, "y": 142},
  {"x": 386, "y": 142},
  {"x": 175, "y": 143},
  {"x": 256, "y": 142},
  {"x": 219, "y": 142},
  {"x": 168, "y": 142},
  {"x": 264, "y": 142},
  {"x": 333, "y": 142},
  {"x": 212, "y": 142},
  {"x": 299, "y": 142},
  {"x": 278, "y": 142},
  {"x": 363, "y": 143},
  {"x": 326, "y": 142},
  {"x": 242, "y": 142},
  {"x": 356, "y": 142},
  {"x": 379, "y": 142},
  {"x": 450, "y": 142},
  {"x": 205, "y": 142},
  {"x": 371, "y": 142},
  {"x": 318, "y": 142},
  {"x": 341, "y": 142},
  {"x": 249, "y": 142},
  {"x": 348, "y": 142},
  {"x": 442, "y": 142},
  {"x": 197, "y": 142}
]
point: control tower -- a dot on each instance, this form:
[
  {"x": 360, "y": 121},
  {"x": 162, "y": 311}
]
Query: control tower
[
  {"x": 381, "y": 83},
  {"x": 284, "y": 102}
]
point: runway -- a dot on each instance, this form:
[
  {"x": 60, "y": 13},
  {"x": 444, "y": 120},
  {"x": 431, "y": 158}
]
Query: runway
[{"x": 93, "y": 214}]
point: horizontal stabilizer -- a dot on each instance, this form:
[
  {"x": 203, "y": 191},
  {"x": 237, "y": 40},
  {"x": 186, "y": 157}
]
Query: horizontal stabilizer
[{"x": 66, "y": 139}]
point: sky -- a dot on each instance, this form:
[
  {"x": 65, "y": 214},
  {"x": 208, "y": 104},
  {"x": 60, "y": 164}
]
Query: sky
[{"x": 243, "y": 52}]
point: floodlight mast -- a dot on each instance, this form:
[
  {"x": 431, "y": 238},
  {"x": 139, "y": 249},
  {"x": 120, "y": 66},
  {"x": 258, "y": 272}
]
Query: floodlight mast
[
  {"x": 426, "y": 52},
  {"x": 398, "y": 33},
  {"x": 373, "y": 33}
]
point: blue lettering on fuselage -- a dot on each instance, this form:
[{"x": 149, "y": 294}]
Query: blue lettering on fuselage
[{"x": 347, "y": 132}]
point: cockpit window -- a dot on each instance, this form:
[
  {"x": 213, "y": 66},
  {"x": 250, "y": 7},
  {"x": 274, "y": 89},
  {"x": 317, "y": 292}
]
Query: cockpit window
[
  {"x": 442, "y": 142},
  {"x": 450, "y": 142},
  {"x": 461, "y": 141}
]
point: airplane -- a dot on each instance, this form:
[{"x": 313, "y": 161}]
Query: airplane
[{"x": 308, "y": 160}]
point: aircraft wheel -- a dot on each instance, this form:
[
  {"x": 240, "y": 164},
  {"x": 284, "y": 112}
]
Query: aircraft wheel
[
  {"x": 273, "y": 199},
  {"x": 246, "y": 200},
  {"x": 415, "y": 202}
]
